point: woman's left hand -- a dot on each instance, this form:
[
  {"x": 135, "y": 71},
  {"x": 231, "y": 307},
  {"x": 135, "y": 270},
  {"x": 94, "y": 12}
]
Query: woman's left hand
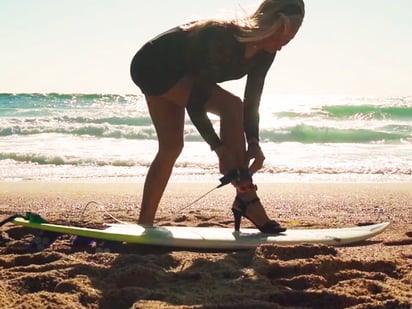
[{"x": 254, "y": 152}]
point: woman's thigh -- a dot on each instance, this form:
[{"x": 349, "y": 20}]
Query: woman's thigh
[
  {"x": 179, "y": 94},
  {"x": 168, "y": 120},
  {"x": 168, "y": 113}
]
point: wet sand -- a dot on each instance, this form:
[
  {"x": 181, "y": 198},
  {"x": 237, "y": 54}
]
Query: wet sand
[{"x": 374, "y": 274}]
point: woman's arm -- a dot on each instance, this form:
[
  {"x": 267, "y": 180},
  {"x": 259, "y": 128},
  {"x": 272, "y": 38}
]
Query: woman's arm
[
  {"x": 207, "y": 45},
  {"x": 253, "y": 93},
  {"x": 196, "y": 109}
]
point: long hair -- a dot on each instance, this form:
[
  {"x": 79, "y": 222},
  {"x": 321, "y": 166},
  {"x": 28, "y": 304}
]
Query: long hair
[{"x": 270, "y": 17}]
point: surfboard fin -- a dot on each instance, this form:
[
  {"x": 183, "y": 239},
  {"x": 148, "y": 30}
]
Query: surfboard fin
[
  {"x": 43, "y": 240},
  {"x": 93, "y": 245}
]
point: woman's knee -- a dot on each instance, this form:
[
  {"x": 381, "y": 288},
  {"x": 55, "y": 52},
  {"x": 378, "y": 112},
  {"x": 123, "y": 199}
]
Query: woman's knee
[
  {"x": 235, "y": 103},
  {"x": 171, "y": 148},
  {"x": 225, "y": 103}
]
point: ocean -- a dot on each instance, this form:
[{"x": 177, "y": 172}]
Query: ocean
[{"x": 109, "y": 137}]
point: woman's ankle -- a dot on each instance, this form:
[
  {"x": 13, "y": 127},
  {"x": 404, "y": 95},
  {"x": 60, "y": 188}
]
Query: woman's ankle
[{"x": 246, "y": 196}]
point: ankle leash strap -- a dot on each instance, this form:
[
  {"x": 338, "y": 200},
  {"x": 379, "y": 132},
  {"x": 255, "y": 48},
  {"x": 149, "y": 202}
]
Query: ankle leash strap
[{"x": 235, "y": 175}]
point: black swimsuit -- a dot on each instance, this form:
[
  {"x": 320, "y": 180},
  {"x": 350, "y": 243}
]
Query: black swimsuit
[
  {"x": 212, "y": 54},
  {"x": 209, "y": 55},
  {"x": 160, "y": 63}
]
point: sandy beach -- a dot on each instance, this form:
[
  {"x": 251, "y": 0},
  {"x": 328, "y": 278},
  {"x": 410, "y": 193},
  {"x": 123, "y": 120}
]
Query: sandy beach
[{"x": 374, "y": 274}]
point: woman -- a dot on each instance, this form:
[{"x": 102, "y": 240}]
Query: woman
[{"x": 180, "y": 70}]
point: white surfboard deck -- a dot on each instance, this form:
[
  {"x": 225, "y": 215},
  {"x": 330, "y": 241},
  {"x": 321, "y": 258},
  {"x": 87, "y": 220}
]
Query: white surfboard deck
[
  {"x": 213, "y": 237},
  {"x": 227, "y": 238}
]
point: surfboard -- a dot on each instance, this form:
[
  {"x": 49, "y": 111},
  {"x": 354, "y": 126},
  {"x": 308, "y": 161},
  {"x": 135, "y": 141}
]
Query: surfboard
[{"x": 212, "y": 237}]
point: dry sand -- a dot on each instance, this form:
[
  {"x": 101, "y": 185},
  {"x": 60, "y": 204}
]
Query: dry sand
[{"x": 373, "y": 274}]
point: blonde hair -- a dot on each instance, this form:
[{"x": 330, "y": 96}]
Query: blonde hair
[{"x": 270, "y": 17}]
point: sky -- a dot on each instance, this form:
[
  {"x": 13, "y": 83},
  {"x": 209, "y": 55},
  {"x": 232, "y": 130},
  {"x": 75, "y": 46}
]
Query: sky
[{"x": 350, "y": 47}]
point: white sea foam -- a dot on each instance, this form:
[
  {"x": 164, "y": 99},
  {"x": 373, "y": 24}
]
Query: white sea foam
[{"x": 110, "y": 137}]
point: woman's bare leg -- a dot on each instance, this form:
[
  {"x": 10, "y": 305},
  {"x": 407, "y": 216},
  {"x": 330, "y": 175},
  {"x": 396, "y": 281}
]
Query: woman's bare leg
[
  {"x": 230, "y": 109},
  {"x": 168, "y": 116},
  {"x": 168, "y": 119}
]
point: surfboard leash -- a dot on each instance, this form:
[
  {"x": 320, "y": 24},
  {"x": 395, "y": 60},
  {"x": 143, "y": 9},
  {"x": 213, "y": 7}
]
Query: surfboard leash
[
  {"x": 30, "y": 216},
  {"x": 196, "y": 200},
  {"x": 10, "y": 219},
  {"x": 232, "y": 175},
  {"x": 102, "y": 208}
]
